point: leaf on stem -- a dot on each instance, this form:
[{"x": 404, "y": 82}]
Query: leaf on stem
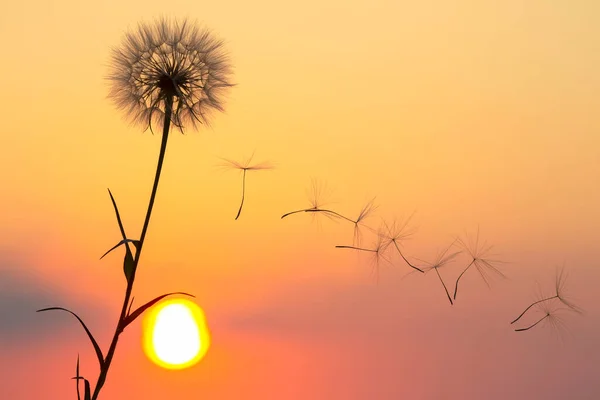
[
  {"x": 77, "y": 377},
  {"x": 121, "y": 228},
  {"x": 132, "y": 317},
  {"x": 136, "y": 243},
  {"x": 128, "y": 266},
  {"x": 88, "y": 390},
  {"x": 94, "y": 343}
]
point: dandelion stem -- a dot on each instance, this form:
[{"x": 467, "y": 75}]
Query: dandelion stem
[
  {"x": 404, "y": 258},
  {"x": 243, "y": 194},
  {"x": 119, "y": 328},
  {"x": 460, "y": 276},
  {"x": 529, "y": 327},
  {"x": 444, "y": 285},
  {"x": 356, "y": 248},
  {"x": 319, "y": 210},
  {"x": 531, "y": 305}
]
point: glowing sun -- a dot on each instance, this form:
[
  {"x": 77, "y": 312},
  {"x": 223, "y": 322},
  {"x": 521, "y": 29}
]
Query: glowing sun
[{"x": 175, "y": 334}]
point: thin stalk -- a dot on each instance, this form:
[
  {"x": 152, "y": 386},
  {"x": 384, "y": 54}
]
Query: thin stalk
[
  {"x": 119, "y": 329},
  {"x": 529, "y": 327},
  {"x": 243, "y": 194},
  {"x": 533, "y": 304},
  {"x": 355, "y": 248},
  {"x": 444, "y": 285},
  {"x": 404, "y": 258},
  {"x": 458, "y": 279}
]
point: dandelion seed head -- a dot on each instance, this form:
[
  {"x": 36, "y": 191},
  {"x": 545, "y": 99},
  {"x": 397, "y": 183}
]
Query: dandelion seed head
[{"x": 173, "y": 66}]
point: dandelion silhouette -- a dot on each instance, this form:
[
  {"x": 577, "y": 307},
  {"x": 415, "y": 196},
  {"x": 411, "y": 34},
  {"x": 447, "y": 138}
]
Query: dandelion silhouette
[
  {"x": 442, "y": 259},
  {"x": 171, "y": 73},
  {"x": 395, "y": 233},
  {"x": 245, "y": 166},
  {"x": 559, "y": 293},
  {"x": 378, "y": 252},
  {"x": 480, "y": 259}
]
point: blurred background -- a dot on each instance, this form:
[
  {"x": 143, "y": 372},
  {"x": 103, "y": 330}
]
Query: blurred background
[{"x": 469, "y": 113}]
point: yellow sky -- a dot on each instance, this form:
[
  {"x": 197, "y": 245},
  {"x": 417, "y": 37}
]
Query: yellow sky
[{"x": 469, "y": 112}]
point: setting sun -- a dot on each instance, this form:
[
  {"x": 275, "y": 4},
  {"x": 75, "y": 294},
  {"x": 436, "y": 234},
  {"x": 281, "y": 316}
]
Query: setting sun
[{"x": 175, "y": 334}]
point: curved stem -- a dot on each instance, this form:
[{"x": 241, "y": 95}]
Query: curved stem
[
  {"x": 319, "y": 210},
  {"x": 355, "y": 248},
  {"x": 243, "y": 195},
  {"x": 119, "y": 328},
  {"x": 292, "y": 212},
  {"x": 529, "y": 327},
  {"x": 404, "y": 258},
  {"x": 444, "y": 285},
  {"x": 334, "y": 213},
  {"x": 533, "y": 304},
  {"x": 460, "y": 276}
]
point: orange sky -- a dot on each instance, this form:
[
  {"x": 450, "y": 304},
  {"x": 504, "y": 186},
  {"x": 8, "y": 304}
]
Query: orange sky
[{"x": 469, "y": 112}]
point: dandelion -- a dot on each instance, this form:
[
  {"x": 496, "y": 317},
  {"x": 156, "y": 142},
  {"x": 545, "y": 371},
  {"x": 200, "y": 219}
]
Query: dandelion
[
  {"x": 442, "y": 259},
  {"x": 165, "y": 72},
  {"x": 395, "y": 233},
  {"x": 480, "y": 259},
  {"x": 560, "y": 293},
  {"x": 169, "y": 72},
  {"x": 244, "y": 167}
]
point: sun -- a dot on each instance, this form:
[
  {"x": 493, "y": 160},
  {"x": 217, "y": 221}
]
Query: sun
[{"x": 175, "y": 335}]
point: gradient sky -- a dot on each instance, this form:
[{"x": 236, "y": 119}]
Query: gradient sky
[{"x": 471, "y": 113}]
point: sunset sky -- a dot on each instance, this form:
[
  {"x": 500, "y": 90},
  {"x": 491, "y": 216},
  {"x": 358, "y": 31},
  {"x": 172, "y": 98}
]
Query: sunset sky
[{"x": 469, "y": 113}]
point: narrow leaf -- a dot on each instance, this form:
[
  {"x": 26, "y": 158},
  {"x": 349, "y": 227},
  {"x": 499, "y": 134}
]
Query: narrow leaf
[
  {"x": 118, "y": 216},
  {"x": 121, "y": 228},
  {"x": 77, "y": 377},
  {"x": 88, "y": 390},
  {"x": 131, "y": 317},
  {"x": 135, "y": 243},
  {"x": 94, "y": 343}
]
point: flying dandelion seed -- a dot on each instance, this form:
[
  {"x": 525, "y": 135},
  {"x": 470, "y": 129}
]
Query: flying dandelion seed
[
  {"x": 551, "y": 316},
  {"x": 364, "y": 213},
  {"x": 560, "y": 293},
  {"x": 378, "y": 253},
  {"x": 442, "y": 259},
  {"x": 395, "y": 233},
  {"x": 481, "y": 259},
  {"x": 317, "y": 194},
  {"x": 245, "y": 166}
]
